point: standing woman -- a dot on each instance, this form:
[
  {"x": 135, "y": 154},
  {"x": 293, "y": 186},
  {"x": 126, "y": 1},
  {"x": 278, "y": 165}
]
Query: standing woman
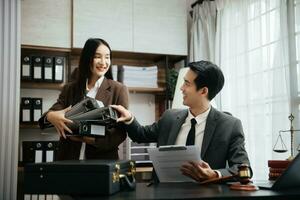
[{"x": 93, "y": 79}]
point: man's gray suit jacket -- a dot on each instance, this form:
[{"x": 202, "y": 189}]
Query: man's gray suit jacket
[{"x": 223, "y": 140}]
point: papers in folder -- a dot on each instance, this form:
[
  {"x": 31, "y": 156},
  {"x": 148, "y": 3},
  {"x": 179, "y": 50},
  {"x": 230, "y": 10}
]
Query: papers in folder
[{"x": 167, "y": 161}]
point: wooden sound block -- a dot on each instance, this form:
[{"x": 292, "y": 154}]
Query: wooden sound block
[{"x": 243, "y": 187}]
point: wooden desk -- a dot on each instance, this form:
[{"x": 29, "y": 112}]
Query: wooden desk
[{"x": 194, "y": 191}]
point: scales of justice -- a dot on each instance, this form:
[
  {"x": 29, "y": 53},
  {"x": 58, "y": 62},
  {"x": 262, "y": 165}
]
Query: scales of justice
[{"x": 280, "y": 146}]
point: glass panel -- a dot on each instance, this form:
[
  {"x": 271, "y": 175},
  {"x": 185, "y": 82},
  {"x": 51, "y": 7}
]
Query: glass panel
[
  {"x": 254, "y": 33},
  {"x": 263, "y": 6},
  {"x": 265, "y": 58},
  {"x": 298, "y": 77},
  {"x": 274, "y": 25},
  {"x": 240, "y": 39},
  {"x": 298, "y": 47},
  {"x": 273, "y": 4},
  {"x": 297, "y": 17},
  {"x": 255, "y": 60},
  {"x": 264, "y": 29},
  {"x": 254, "y": 8}
]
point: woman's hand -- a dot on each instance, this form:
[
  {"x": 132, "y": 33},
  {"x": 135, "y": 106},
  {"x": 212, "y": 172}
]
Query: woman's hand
[
  {"x": 58, "y": 120},
  {"x": 125, "y": 115}
]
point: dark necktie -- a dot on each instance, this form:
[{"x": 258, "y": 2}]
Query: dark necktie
[{"x": 191, "y": 136}]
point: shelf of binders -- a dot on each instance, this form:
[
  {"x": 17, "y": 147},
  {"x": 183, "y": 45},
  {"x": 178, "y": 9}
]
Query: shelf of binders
[
  {"x": 41, "y": 85},
  {"x": 159, "y": 90},
  {"x": 29, "y": 125},
  {"x": 58, "y": 86},
  {"x": 34, "y": 48},
  {"x": 43, "y": 67}
]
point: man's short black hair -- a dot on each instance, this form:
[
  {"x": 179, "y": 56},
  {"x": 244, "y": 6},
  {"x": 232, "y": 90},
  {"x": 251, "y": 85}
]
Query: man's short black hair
[{"x": 208, "y": 75}]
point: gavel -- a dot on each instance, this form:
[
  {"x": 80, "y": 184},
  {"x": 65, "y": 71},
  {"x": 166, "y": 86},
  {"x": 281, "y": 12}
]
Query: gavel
[{"x": 244, "y": 175}]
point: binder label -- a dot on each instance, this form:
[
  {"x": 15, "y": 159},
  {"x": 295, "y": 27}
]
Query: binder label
[
  {"x": 98, "y": 130},
  {"x": 49, "y": 156},
  {"x": 59, "y": 72},
  {"x": 37, "y": 72},
  {"x": 48, "y": 73},
  {"x": 36, "y": 115},
  {"x": 38, "y": 156},
  {"x": 26, "y": 70},
  {"x": 26, "y": 115}
]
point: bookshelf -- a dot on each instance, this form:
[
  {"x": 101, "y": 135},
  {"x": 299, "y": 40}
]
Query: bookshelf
[{"x": 164, "y": 62}]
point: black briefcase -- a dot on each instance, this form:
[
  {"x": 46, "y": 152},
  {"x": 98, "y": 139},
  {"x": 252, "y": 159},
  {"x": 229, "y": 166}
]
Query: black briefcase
[{"x": 86, "y": 177}]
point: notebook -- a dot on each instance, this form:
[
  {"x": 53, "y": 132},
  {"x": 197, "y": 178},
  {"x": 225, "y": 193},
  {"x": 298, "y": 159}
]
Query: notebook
[{"x": 290, "y": 178}]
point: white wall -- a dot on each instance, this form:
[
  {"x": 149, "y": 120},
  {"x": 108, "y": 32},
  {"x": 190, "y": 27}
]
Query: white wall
[{"x": 46, "y": 23}]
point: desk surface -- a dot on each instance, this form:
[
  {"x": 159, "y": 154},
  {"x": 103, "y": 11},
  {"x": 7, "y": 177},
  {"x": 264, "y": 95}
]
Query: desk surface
[{"x": 195, "y": 191}]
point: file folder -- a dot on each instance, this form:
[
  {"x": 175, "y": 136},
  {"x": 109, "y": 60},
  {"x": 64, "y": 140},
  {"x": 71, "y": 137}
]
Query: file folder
[
  {"x": 37, "y": 68},
  {"x": 37, "y": 108},
  {"x": 89, "y": 119},
  {"x": 59, "y": 66},
  {"x": 28, "y": 149},
  {"x": 166, "y": 167},
  {"x": 83, "y": 106},
  {"x": 32, "y": 151},
  {"x": 51, "y": 149},
  {"x": 91, "y": 128},
  {"x": 49, "y": 156},
  {"x": 48, "y": 69},
  {"x": 26, "y": 105},
  {"x": 26, "y": 73},
  {"x": 39, "y": 151}
]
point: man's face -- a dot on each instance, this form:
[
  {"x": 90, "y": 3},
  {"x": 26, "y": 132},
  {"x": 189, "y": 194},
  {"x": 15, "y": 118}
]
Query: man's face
[{"x": 191, "y": 97}]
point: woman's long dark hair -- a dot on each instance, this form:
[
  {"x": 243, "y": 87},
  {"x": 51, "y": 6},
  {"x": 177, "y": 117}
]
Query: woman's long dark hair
[{"x": 84, "y": 70}]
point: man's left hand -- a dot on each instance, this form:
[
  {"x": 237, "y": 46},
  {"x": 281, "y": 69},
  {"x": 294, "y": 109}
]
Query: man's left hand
[{"x": 198, "y": 171}]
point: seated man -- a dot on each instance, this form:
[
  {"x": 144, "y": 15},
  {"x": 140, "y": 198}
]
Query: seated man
[{"x": 219, "y": 135}]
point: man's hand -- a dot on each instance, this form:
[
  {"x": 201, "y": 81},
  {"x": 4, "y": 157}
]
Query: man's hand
[
  {"x": 58, "y": 120},
  {"x": 198, "y": 171},
  {"x": 125, "y": 115}
]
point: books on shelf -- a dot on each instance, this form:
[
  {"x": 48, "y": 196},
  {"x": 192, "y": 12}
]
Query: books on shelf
[
  {"x": 137, "y": 76},
  {"x": 278, "y": 163},
  {"x": 277, "y": 167}
]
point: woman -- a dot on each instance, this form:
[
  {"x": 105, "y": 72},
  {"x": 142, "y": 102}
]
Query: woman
[{"x": 93, "y": 79}]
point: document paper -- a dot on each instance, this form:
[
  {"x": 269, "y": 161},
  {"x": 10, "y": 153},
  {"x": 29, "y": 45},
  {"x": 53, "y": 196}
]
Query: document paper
[{"x": 167, "y": 161}]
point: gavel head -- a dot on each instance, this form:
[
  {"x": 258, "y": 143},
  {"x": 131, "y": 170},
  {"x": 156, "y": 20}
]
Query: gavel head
[{"x": 245, "y": 173}]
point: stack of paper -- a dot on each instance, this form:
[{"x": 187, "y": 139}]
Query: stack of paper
[
  {"x": 114, "y": 70},
  {"x": 140, "y": 76}
]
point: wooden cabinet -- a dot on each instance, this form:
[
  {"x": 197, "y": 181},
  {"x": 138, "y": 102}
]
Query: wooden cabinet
[
  {"x": 160, "y": 27},
  {"x": 72, "y": 55},
  {"x": 46, "y": 23},
  {"x": 148, "y": 26},
  {"x": 48, "y": 91},
  {"x": 107, "y": 19}
]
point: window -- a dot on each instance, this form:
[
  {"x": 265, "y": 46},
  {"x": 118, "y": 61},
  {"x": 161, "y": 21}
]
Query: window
[
  {"x": 254, "y": 56},
  {"x": 296, "y": 79}
]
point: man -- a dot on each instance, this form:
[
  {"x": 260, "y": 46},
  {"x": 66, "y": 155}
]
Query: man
[{"x": 219, "y": 135}]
